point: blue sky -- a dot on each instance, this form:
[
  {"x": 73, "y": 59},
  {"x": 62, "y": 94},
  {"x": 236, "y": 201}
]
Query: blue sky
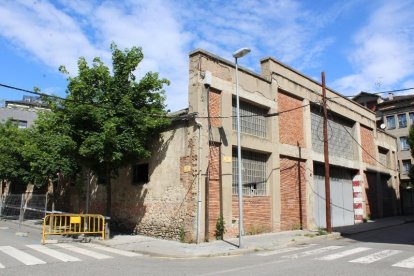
[{"x": 361, "y": 45}]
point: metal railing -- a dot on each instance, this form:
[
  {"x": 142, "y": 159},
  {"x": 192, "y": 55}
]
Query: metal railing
[{"x": 73, "y": 224}]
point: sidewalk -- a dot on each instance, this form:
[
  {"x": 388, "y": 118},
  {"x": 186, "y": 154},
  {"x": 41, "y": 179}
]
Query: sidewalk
[
  {"x": 174, "y": 249},
  {"x": 271, "y": 241}
]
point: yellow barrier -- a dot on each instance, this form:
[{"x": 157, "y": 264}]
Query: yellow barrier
[{"x": 73, "y": 224}]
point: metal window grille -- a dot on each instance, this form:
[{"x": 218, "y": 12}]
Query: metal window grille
[
  {"x": 252, "y": 120},
  {"x": 402, "y": 120},
  {"x": 340, "y": 143},
  {"x": 253, "y": 173}
]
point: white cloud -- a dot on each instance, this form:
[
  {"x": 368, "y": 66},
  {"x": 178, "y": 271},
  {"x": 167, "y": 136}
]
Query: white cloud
[
  {"x": 46, "y": 33},
  {"x": 384, "y": 53}
]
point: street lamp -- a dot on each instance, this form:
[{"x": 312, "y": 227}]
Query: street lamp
[{"x": 239, "y": 54}]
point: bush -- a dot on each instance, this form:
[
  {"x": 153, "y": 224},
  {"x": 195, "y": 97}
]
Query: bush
[{"x": 220, "y": 228}]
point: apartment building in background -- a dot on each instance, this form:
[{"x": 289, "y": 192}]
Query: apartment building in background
[
  {"x": 22, "y": 112},
  {"x": 395, "y": 114}
]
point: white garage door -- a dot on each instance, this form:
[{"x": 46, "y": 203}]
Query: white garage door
[{"x": 341, "y": 198}]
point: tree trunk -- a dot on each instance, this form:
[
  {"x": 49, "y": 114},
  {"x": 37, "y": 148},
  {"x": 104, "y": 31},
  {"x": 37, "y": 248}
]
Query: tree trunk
[{"x": 108, "y": 192}]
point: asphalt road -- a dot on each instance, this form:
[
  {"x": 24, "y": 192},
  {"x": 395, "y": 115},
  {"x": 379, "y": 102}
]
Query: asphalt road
[{"x": 383, "y": 252}]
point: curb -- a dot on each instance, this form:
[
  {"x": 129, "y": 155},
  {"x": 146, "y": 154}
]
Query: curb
[{"x": 235, "y": 252}]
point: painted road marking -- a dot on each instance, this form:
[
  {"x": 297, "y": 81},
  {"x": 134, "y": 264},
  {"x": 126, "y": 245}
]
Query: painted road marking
[
  {"x": 112, "y": 250},
  {"x": 21, "y": 256},
  {"x": 313, "y": 252},
  {"x": 407, "y": 263},
  {"x": 375, "y": 257},
  {"x": 84, "y": 251},
  {"x": 53, "y": 253},
  {"x": 343, "y": 254},
  {"x": 1, "y": 266},
  {"x": 284, "y": 250}
]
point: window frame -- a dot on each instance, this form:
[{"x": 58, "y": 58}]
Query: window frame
[
  {"x": 404, "y": 146},
  {"x": 135, "y": 178},
  {"x": 404, "y": 163},
  {"x": 251, "y": 123},
  {"x": 402, "y": 120},
  {"x": 388, "y": 124},
  {"x": 411, "y": 117},
  {"x": 251, "y": 161}
]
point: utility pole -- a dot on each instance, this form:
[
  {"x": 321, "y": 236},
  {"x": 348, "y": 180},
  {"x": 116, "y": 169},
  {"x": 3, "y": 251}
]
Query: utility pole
[{"x": 326, "y": 155}]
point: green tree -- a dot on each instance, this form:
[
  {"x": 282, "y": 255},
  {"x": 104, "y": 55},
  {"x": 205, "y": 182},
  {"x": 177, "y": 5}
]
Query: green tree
[
  {"x": 50, "y": 150},
  {"x": 112, "y": 118},
  {"x": 13, "y": 166}
]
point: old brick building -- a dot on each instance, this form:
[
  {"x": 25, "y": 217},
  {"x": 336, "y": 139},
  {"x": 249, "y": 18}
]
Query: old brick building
[{"x": 192, "y": 177}]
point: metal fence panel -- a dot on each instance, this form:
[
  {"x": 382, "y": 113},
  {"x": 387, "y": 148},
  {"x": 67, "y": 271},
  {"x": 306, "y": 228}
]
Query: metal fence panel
[{"x": 27, "y": 206}]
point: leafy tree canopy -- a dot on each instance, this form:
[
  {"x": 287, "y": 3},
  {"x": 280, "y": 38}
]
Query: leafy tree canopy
[
  {"x": 13, "y": 166},
  {"x": 111, "y": 118}
]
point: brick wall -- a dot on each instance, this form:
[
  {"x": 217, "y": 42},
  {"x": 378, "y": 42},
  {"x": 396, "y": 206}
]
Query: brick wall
[
  {"x": 214, "y": 107},
  {"x": 293, "y": 194},
  {"x": 257, "y": 215},
  {"x": 367, "y": 143},
  {"x": 214, "y": 203},
  {"x": 290, "y": 123}
]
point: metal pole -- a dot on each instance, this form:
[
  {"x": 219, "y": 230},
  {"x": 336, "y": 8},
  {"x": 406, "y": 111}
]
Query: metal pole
[
  {"x": 326, "y": 157},
  {"x": 21, "y": 210},
  {"x": 198, "y": 183},
  {"x": 46, "y": 205},
  {"x": 1, "y": 204},
  {"x": 239, "y": 163},
  {"x": 88, "y": 180}
]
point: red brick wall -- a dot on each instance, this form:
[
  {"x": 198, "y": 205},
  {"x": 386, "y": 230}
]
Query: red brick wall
[
  {"x": 214, "y": 107},
  {"x": 293, "y": 194},
  {"x": 257, "y": 212},
  {"x": 290, "y": 123},
  {"x": 214, "y": 189},
  {"x": 367, "y": 143}
]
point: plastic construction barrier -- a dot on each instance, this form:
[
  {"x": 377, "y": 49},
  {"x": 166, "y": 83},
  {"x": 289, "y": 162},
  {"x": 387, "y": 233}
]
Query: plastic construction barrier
[{"x": 73, "y": 224}]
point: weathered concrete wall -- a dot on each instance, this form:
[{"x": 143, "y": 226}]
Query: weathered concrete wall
[{"x": 164, "y": 206}]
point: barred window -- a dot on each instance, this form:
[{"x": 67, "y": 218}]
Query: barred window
[
  {"x": 253, "y": 173},
  {"x": 252, "y": 120}
]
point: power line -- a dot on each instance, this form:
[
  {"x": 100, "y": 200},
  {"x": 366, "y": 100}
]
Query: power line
[{"x": 149, "y": 114}]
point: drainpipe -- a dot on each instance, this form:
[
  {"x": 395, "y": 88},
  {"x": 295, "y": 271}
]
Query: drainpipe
[{"x": 199, "y": 125}]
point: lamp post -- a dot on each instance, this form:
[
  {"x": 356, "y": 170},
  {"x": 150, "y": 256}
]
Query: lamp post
[{"x": 238, "y": 54}]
